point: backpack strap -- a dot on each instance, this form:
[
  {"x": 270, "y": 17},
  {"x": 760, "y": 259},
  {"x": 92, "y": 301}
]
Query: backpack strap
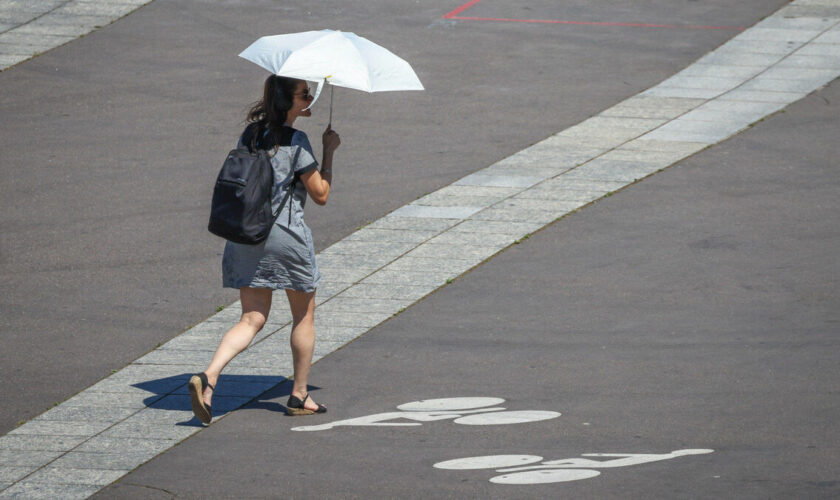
[{"x": 291, "y": 191}]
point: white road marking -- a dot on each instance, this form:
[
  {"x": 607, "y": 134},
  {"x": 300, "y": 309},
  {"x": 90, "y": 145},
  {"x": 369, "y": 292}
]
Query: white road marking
[
  {"x": 517, "y": 468},
  {"x": 507, "y": 417},
  {"x": 447, "y": 404},
  {"x": 545, "y": 476},
  {"x": 488, "y": 462},
  {"x": 441, "y": 409}
]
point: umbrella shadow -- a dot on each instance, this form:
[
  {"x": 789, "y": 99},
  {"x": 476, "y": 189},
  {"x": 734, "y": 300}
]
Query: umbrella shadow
[{"x": 232, "y": 392}]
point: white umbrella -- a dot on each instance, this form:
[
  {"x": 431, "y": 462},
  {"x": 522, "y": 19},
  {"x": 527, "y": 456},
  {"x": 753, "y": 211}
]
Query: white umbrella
[{"x": 340, "y": 58}]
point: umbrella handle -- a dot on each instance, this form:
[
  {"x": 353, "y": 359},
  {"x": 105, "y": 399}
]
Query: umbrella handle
[{"x": 332, "y": 88}]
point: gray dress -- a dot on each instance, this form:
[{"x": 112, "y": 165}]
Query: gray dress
[{"x": 286, "y": 259}]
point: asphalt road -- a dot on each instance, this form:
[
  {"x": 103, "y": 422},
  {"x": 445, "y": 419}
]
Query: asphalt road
[{"x": 696, "y": 309}]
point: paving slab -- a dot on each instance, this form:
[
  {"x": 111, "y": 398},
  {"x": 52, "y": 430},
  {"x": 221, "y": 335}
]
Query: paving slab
[
  {"x": 543, "y": 171},
  {"x": 59, "y": 428},
  {"x": 798, "y": 60},
  {"x": 693, "y": 81},
  {"x": 832, "y": 36},
  {"x": 435, "y": 199},
  {"x": 435, "y": 212},
  {"x": 552, "y": 206},
  {"x": 781, "y": 34},
  {"x": 461, "y": 251},
  {"x": 112, "y": 399},
  {"x": 497, "y": 180},
  {"x": 683, "y": 92},
  {"x": 818, "y": 49},
  {"x": 702, "y": 132},
  {"x": 455, "y": 239},
  {"x": 759, "y": 47},
  {"x": 750, "y": 59},
  {"x": 40, "y": 443},
  {"x": 801, "y": 22},
  {"x": 10, "y": 474},
  {"x": 397, "y": 277},
  {"x": 130, "y": 429},
  {"x": 366, "y": 248},
  {"x": 384, "y": 291},
  {"x": 803, "y": 86},
  {"x": 577, "y": 196},
  {"x": 612, "y": 170},
  {"x": 49, "y": 491},
  {"x": 21, "y": 458},
  {"x": 721, "y": 71},
  {"x": 362, "y": 261},
  {"x": 384, "y": 235},
  {"x": 414, "y": 223},
  {"x": 761, "y": 96},
  {"x": 108, "y": 444},
  {"x": 515, "y": 215},
  {"x": 492, "y": 227},
  {"x": 330, "y": 289},
  {"x": 340, "y": 303},
  {"x": 663, "y": 158},
  {"x": 645, "y": 143},
  {"x": 100, "y": 461},
  {"x": 610, "y": 135},
  {"x": 86, "y": 413},
  {"x": 61, "y": 475},
  {"x": 830, "y": 11}
]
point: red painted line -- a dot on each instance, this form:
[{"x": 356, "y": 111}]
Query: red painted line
[
  {"x": 473, "y": 3},
  {"x": 460, "y": 9},
  {"x": 586, "y": 23}
]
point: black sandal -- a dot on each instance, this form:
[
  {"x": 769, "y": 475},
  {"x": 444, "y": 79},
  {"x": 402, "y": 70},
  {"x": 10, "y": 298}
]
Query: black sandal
[
  {"x": 294, "y": 407},
  {"x": 198, "y": 383}
]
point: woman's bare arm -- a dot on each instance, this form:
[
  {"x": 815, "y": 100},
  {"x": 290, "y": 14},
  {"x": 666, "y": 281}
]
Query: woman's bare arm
[{"x": 318, "y": 182}]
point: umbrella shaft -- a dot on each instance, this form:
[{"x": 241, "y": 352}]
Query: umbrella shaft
[{"x": 332, "y": 88}]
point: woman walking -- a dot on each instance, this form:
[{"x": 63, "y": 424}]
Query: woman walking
[{"x": 286, "y": 260}]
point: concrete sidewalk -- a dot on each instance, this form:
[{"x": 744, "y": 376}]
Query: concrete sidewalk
[
  {"x": 758, "y": 73},
  {"x": 31, "y": 27}
]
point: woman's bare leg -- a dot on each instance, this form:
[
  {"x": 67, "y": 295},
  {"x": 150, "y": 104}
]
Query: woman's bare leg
[
  {"x": 256, "y": 303},
  {"x": 302, "y": 339}
]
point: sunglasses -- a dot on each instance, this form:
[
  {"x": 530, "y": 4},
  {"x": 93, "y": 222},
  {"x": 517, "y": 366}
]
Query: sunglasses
[{"x": 305, "y": 94}]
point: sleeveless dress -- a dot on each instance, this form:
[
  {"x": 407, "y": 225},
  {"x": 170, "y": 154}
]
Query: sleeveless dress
[{"x": 286, "y": 259}]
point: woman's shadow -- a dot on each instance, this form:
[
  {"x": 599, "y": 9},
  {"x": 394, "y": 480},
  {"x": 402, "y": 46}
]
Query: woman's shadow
[{"x": 258, "y": 392}]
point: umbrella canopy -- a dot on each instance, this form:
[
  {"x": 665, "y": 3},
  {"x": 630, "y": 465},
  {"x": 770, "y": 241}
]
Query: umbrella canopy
[{"x": 340, "y": 58}]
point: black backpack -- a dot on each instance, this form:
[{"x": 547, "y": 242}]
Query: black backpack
[{"x": 241, "y": 208}]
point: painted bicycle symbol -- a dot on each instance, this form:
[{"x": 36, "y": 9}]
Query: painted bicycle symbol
[
  {"x": 465, "y": 411},
  {"x": 516, "y": 468}
]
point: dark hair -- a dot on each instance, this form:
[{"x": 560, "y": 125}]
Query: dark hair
[{"x": 270, "y": 112}]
